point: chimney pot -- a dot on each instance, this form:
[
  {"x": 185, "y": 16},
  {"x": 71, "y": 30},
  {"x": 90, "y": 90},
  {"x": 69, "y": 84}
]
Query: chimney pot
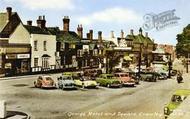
[
  {"x": 100, "y": 36},
  {"x": 9, "y": 12},
  {"x": 80, "y": 31},
  {"x": 146, "y": 34},
  {"x": 66, "y": 21},
  {"x": 140, "y": 31},
  {"x": 41, "y": 22},
  {"x": 91, "y": 34},
  {"x": 122, "y": 34},
  {"x": 112, "y": 34},
  {"x": 88, "y": 35},
  {"x": 132, "y": 32}
]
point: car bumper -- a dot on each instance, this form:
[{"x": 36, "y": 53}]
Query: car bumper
[
  {"x": 129, "y": 84},
  {"x": 116, "y": 85}
]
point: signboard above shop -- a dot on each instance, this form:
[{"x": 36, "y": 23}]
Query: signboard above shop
[
  {"x": 23, "y": 56},
  {"x": 17, "y": 56}
]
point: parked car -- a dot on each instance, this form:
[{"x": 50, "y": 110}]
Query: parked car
[
  {"x": 148, "y": 76},
  {"x": 125, "y": 79},
  {"x": 178, "y": 97},
  {"x": 93, "y": 73},
  {"x": 134, "y": 76},
  {"x": 85, "y": 82},
  {"x": 162, "y": 76},
  {"x": 108, "y": 80},
  {"x": 44, "y": 82},
  {"x": 66, "y": 82}
]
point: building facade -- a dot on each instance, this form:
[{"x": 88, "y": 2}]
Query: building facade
[{"x": 43, "y": 44}]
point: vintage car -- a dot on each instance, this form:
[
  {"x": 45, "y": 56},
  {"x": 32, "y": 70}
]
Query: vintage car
[
  {"x": 148, "y": 76},
  {"x": 162, "y": 76},
  {"x": 81, "y": 81},
  {"x": 44, "y": 82},
  {"x": 108, "y": 80},
  {"x": 66, "y": 82},
  {"x": 135, "y": 76},
  {"x": 125, "y": 79},
  {"x": 93, "y": 73},
  {"x": 85, "y": 82},
  {"x": 178, "y": 97}
]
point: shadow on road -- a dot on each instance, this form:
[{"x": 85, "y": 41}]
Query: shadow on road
[{"x": 17, "y": 115}]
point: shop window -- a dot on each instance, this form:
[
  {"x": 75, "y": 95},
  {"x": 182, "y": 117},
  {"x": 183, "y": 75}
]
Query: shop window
[
  {"x": 35, "y": 46},
  {"x": 35, "y": 62},
  {"x": 45, "y": 45}
]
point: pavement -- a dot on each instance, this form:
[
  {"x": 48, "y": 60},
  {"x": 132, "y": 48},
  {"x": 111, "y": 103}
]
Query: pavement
[{"x": 183, "y": 111}]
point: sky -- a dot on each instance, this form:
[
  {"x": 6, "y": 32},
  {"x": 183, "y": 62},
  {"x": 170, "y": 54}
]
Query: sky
[{"x": 104, "y": 15}]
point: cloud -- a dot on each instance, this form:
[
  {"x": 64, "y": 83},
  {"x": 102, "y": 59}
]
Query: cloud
[
  {"x": 116, "y": 15},
  {"x": 46, "y": 4}
]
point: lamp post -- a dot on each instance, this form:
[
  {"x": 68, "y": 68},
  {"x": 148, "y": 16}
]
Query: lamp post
[
  {"x": 169, "y": 66},
  {"x": 139, "y": 63}
]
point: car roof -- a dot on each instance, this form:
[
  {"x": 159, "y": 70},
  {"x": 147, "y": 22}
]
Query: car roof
[{"x": 184, "y": 92}]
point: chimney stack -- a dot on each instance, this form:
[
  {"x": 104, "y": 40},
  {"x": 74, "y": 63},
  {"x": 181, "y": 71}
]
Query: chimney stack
[
  {"x": 29, "y": 23},
  {"x": 66, "y": 21},
  {"x": 122, "y": 34},
  {"x": 88, "y": 36},
  {"x": 146, "y": 34},
  {"x": 41, "y": 22},
  {"x": 91, "y": 34},
  {"x": 9, "y": 12},
  {"x": 132, "y": 32},
  {"x": 80, "y": 31},
  {"x": 140, "y": 31},
  {"x": 112, "y": 34},
  {"x": 100, "y": 36}
]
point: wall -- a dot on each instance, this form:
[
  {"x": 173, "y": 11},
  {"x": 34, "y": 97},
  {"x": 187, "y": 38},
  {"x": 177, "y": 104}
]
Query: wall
[
  {"x": 51, "y": 48},
  {"x": 20, "y": 35}
]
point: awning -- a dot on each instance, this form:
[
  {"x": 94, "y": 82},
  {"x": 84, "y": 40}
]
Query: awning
[
  {"x": 45, "y": 55},
  {"x": 127, "y": 58}
]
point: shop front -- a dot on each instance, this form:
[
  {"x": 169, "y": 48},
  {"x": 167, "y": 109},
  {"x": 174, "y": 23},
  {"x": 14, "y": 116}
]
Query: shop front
[{"x": 17, "y": 64}]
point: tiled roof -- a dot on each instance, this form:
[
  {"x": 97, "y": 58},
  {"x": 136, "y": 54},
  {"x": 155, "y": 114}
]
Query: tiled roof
[
  {"x": 4, "y": 20},
  {"x": 140, "y": 39},
  {"x": 68, "y": 37},
  {"x": 37, "y": 30}
]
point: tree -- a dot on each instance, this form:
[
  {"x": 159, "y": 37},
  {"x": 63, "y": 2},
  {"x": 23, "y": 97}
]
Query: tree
[{"x": 183, "y": 42}]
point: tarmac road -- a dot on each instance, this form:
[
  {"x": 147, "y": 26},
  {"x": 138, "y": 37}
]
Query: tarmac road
[{"x": 145, "y": 101}]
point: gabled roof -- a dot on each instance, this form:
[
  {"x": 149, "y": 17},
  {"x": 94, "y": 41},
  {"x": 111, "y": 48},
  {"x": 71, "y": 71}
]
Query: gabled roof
[
  {"x": 4, "y": 19},
  {"x": 37, "y": 30}
]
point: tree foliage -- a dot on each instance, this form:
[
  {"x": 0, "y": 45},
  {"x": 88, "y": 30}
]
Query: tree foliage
[{"x": 183, "y": 42}]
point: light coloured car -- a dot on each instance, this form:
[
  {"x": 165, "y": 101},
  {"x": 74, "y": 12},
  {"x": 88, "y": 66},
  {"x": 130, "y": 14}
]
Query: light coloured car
[
  {"x": 44, "y": 82},
  {"x": 85, "y": 82},
  {"x": 66, "y": 82}
]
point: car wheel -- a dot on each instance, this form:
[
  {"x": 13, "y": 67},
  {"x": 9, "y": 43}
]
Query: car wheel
[{"x": 35, "y": 84}]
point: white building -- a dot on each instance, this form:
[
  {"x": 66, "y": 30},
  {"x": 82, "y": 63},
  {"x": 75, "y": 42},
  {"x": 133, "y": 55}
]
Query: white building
[{"x": 43, "y": 43}]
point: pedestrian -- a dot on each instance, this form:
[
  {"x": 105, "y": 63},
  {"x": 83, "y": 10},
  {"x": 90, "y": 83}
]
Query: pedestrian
[{"x": 179, "y": 77}]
